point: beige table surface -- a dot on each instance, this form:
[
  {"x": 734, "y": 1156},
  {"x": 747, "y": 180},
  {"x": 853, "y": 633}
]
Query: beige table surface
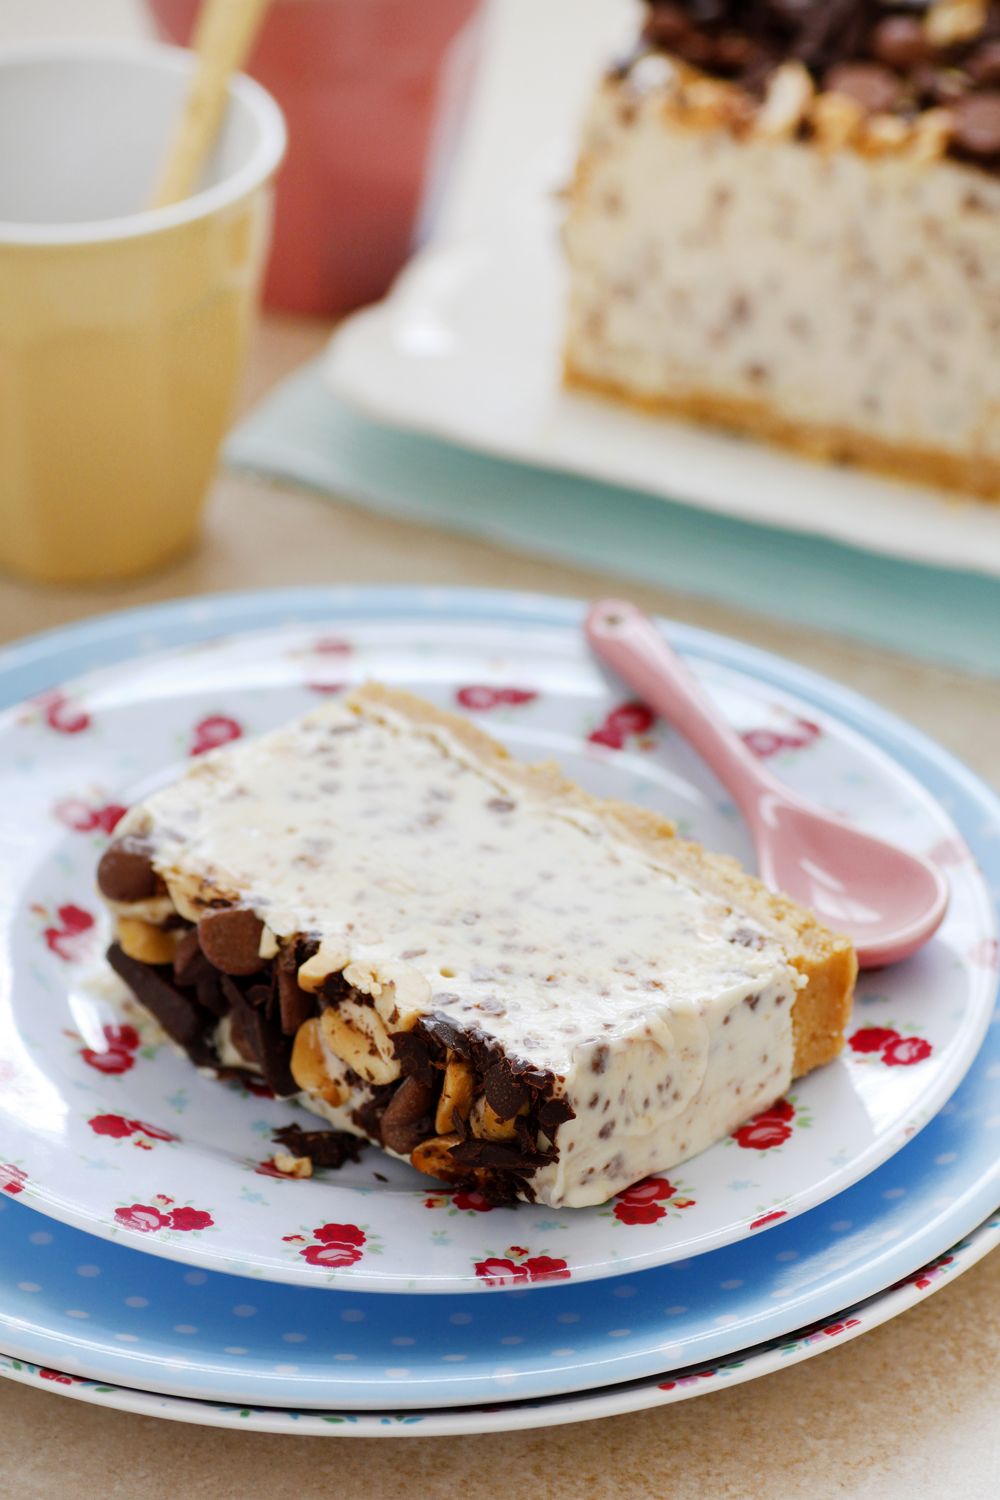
[{"x": 910, "y": 1411}]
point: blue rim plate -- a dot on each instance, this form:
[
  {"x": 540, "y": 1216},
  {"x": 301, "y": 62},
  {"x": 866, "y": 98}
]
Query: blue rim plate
[
  {"x": 604, "y": 1401},
  {"x": 179, "y": 1332}
]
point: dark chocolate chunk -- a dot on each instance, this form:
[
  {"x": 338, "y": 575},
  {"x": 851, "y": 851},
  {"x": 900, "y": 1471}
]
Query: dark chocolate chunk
[
  {"x": 334, "y": 989},
  {"x": 209, "y": 992},
  {"x": 230, "y": 939},
  {"x": 875, "y": 88},
  {"x": 190, "y": 964},
  {"x": 553, "y": 1113},
  {"x": 977, "y": 124},
  {"x": 505, "y": 1155},
  {"x": 179, "y": 1013},
  {"x": 447, "y": 1034},
  {"x": 295, "y": 1004},
  {"x": 504, "y": 1094},
  {"x": 413, "y": 1049},
  {"x": 325, "y": 1148},
  {"x": 264, "y": 1038},
  {"x": 407, "y": 1119},
  {"x": 125, "y": 872},
  {"x": 368, "y": 1115}
]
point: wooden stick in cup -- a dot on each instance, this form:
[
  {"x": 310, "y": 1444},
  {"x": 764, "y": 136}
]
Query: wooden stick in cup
[{"x": 225, "y": 33}]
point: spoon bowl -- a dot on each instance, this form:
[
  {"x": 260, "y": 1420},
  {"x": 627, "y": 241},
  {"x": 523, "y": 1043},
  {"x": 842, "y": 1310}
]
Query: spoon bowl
[{"x": 887, "y": 900}]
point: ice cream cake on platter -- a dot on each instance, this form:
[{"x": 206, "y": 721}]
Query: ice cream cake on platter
[{"x": 785, "y": 220}]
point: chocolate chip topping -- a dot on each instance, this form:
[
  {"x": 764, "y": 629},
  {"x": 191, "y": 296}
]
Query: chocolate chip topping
[
  {"x": 504, "y": 1093},
  {"x": 977, "y": 124},
  {"x": 900, "y": 42},
  {"x": 294, "y": 1003},
  {"x": 230, "y": 939},
  {"x": 180, "y": 1015},
  {"x": 125, "y": 872},
  {"x": 268, "y": 1047},
  {"x": 190, "y": 964},
  {"x": 407, "y": 1119},
  {"x": 872, "y": 86},
  {"x": 325, "y": 1148},
  {"x": 888, "y": 56}
]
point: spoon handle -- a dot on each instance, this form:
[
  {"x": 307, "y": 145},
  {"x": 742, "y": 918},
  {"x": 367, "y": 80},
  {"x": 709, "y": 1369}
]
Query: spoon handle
[{"x": 629, "y": 642}]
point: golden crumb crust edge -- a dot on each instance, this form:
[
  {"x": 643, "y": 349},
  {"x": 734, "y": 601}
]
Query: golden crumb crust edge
[
  {"x": 825, "y": 959},
  {"x": 975, "y": 474}
]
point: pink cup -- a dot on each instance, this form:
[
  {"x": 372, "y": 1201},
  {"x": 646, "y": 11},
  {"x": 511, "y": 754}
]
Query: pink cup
[{"x": 363, "y": 84}]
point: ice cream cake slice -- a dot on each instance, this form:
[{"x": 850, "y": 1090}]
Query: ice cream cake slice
[
  {"x": 465, "y": 959},
  {"x": 785, "y": 220}
]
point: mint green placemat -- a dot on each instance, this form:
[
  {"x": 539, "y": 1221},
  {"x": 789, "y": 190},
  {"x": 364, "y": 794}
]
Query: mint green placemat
[{"x": 303, "y": 433}]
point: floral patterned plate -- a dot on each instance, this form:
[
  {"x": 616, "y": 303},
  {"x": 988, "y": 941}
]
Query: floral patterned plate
[
  {"x": 104, "y": 1126},
  {"x": 605, "y": 1401}
]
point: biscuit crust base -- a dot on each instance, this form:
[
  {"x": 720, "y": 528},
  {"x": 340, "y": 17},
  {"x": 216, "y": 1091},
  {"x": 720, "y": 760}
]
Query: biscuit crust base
[{"x": 754, "y": 418}]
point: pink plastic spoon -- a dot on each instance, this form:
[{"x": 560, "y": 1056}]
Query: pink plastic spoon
[{"x": 887, "y": 901}]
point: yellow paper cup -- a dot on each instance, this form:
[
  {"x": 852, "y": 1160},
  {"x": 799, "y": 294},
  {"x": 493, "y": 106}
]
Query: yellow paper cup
[{"x": 122, "y": 330}]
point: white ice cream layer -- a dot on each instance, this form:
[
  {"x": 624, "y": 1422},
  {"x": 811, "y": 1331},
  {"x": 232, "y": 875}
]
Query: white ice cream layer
[{"x": 838, "y": 289}]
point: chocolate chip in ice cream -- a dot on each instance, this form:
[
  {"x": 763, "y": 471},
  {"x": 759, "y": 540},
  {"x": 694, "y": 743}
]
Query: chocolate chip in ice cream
[
  {"x": 126, "y": 874},
  {"x": 230, "y": 939}
]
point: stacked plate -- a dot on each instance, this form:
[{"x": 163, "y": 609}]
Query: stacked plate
[{"x": 153, "y": 1257}]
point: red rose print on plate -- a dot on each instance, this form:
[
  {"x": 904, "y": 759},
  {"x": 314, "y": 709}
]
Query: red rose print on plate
[
  {"x": 772, "y": 1127},
  {"x": 771, "y": 1218},
  {"x": 61, "y": 714},
  {"x": 119, "y": 1128},
  {"x": 213, "y": 731},
  {"x": 621, "y": 723},
  {"x": 642, "y": 1203},
  {"x": 70, "y": 940},
  {"x": 517, "y": 1266},
  {"x": 148, "y": 1218},
  {"x": 88, "y": 817},
  {"x": 896, "y": 1051},
  {"x": 118, "y": 1055},
  {"x": 472, "y": 1200},
  {"x": 767, "y": 742},
  {"x": 45, "y": 1374},
  {"x": 338, "y": 1245},
  {"x": 12, "y": 1179},
  {"x": 762, "y": 1133},
  {"x": 190, "y": 1218},
  {"x": 481, "y": 698}
]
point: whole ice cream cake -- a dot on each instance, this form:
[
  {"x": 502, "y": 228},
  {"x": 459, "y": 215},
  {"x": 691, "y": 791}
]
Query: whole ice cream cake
[
  {"x": 465, "y": 959},
  {"x": 785, "y": 220}
]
